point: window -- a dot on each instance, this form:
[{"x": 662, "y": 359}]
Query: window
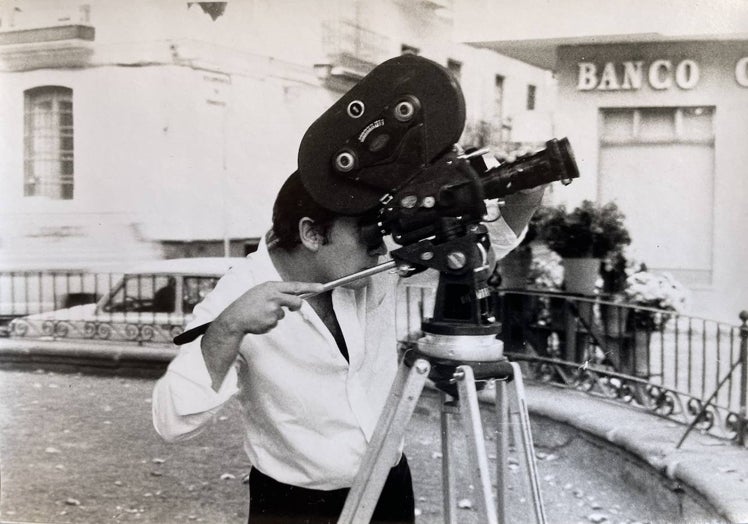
[
  {"x": 48, "y": 142},
  {"x": 455, "y": 68},
  {"x": 195, "y": 290},
  {"x": 665, "y": 125},
  {"x": 143, "y": 293},
  {"x": 409, "y": 50},
  {"x": 662, "y": 158},
  {"x": 498, "y": 98},
  {"x": 531, "y": 89},
  {"x": 504, "y": 125}
]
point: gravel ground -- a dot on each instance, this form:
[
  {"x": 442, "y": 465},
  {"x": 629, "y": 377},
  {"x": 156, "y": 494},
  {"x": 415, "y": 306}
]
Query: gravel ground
[{"x": 80, "y": 448}]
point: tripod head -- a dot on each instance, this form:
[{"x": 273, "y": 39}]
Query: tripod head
[{"x": 386, "y": 152}]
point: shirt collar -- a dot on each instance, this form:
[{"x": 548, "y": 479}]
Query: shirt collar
[
  {"x": 264, "y": 269},
  {"x": 267, "y": 272}
]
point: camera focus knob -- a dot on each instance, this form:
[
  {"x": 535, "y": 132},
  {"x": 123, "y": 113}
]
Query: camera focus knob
[
  {"x": 346, "y": 161},
  {"x": 456, "y": 260}
]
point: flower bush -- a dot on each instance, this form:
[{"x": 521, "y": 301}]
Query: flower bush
[
  {"x": 654, "y": 290},
  {"x": 590, "y": 230}
]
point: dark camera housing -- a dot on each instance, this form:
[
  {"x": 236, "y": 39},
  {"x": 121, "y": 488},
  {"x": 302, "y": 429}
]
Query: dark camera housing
[{"x": 400, "y": 117}]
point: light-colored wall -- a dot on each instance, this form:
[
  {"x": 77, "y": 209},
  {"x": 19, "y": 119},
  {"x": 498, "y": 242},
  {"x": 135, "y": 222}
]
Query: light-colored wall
[
  {"x": 577, "y": 117},
  {"x": 147, "y": 135},
  {"x": 151, "y": 150}
]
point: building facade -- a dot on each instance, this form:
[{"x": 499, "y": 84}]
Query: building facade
[
  {"x": 658, "y": 118},
  {"x": 164, "y": 129}
]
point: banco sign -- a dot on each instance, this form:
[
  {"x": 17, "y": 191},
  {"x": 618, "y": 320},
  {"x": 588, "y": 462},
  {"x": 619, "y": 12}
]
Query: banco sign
[{"x": 660, "y": 74}]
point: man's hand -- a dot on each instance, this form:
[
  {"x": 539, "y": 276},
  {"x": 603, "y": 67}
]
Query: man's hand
[
  {"x": 257, "y": 311},
  {"x": 510, "y": 156}
]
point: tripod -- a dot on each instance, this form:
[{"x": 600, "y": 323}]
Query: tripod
[{"x": 456, "y": 379}]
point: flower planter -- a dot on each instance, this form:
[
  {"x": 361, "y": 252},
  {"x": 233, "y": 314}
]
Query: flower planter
[
  {"x": 614, "y": 319},
  {"x": 580, "y": 275}
]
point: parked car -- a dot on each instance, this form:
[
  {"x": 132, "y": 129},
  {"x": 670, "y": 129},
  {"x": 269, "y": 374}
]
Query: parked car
[{"x": 151, "y": 302}]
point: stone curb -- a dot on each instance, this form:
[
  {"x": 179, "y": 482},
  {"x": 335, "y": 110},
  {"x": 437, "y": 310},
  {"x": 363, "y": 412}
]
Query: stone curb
[
  {"x": 714, "y": 469},
  {"x": 90, "y": 356}
]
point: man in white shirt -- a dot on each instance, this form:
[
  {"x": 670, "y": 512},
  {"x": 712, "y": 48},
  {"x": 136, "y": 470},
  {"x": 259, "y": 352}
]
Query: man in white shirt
[{"x": 311, "y": 375}]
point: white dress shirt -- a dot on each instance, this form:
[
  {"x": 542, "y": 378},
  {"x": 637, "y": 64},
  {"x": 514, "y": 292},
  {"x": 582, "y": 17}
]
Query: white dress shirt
[{"x": 308, "y": 414}]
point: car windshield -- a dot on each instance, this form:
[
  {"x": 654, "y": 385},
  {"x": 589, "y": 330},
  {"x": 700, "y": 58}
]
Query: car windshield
[
  {"x": 144, "y": 293},
  {"x": 195, "y": 290}
]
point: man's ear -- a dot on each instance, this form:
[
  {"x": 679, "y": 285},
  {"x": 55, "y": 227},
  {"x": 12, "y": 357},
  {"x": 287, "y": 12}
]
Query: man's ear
[{"x": 311, "y": 235}]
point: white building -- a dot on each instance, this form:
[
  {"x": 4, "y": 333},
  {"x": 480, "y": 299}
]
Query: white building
[
  {"x": 653, "y": 95},
  {"x": 150, "y": 129}
]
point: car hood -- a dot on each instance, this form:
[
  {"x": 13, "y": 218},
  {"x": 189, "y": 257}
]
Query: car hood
[
  {"x": 88, "y": 313},
  {"x": 83, "y": 312}
]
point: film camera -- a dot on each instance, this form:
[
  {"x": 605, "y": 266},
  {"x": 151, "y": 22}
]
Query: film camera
[{"x": 386, "y": 151}]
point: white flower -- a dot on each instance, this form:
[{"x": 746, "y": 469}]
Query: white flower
[{"x": 658, "y": 290}]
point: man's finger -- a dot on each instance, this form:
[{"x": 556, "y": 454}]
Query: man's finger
[
  {"x": 299, "y": 288},
  {"x": 292, "y": 302}
]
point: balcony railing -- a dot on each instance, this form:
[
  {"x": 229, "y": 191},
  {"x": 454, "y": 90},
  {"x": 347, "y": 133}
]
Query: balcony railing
[{"x": 349, "y": 45}]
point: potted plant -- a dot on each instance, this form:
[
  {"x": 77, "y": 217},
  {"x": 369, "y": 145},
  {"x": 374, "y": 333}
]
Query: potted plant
[{"x": 583, "y": 237}]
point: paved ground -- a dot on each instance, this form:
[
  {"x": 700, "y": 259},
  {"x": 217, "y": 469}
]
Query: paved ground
[{"x": 80, "y": 448}]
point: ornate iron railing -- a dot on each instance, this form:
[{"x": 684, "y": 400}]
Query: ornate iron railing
[
  {"x": 690, "y": 370},
  {"x": 150, "y": 308}
]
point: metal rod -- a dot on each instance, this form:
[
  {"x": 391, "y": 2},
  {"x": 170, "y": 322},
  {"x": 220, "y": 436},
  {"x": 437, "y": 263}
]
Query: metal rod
[
  {"x": 743, "y": 410},
  {"x": 352, "y": 278},
  {"x": 706, "y": 404},
  {"x": 192, "y": 334}
]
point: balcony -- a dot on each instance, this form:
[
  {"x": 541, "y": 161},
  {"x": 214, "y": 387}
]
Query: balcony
[
  {"x": 45, "y": 38},
  {"x": 351, "y": 51}
]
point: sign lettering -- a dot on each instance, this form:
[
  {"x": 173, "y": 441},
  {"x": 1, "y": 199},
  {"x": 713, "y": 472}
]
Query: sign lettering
[{"x": 661, "y": 74}]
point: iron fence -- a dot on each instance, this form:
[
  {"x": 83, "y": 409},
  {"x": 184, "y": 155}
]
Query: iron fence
[
  {"x": 103, "y": 306},
  {"x": 685, "y": 368},
  {"x": 31, "y": 292},
  {"x": 688, "y": 369}
]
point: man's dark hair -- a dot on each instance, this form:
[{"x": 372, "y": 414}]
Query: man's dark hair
[{"x": 291, "y": 205}]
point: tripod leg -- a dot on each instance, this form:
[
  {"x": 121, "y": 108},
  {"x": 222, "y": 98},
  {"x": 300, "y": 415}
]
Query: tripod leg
[
  {"x": 380, "y": 454},
  {"x": 519, "y": 407},
  {"x": 449, "y": 502},
  {"x": 502, "y": 449},
  {"x": 476, "y": 443}
]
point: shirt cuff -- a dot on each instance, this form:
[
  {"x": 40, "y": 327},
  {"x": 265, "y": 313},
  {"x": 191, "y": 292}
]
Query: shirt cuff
[
  {"x": 503, "y": 237},
  {"x": 191, "y": 383}
]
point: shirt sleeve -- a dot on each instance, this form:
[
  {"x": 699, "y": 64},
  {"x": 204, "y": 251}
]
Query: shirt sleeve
[
  {"x": 184, "y": 400},
  {"x": 503, "y": 238}
]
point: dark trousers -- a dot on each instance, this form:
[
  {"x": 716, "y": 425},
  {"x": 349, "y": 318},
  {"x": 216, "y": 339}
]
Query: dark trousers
[{"x": 272, "y": 502}]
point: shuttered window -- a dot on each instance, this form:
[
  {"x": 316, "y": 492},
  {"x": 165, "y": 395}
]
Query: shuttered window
[{"x": 48, "y": 142}]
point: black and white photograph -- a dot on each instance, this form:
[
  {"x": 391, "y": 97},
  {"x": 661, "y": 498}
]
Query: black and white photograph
[{"x": 357, "y": 261}]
